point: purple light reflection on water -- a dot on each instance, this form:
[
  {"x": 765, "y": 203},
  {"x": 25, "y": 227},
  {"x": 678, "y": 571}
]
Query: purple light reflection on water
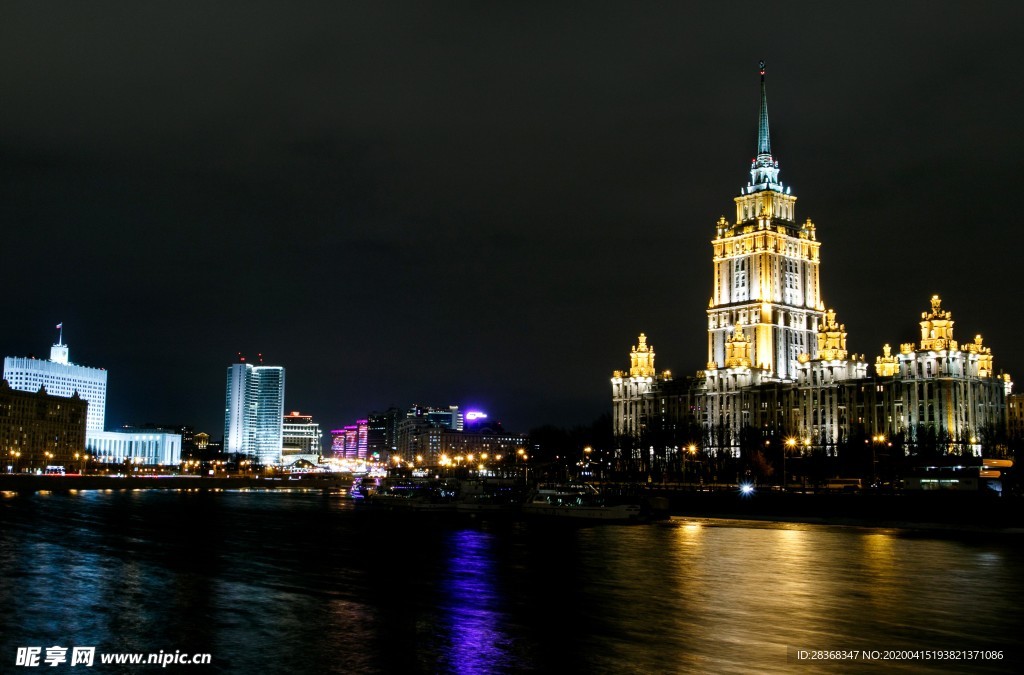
[{"x": 471, "y": 617}]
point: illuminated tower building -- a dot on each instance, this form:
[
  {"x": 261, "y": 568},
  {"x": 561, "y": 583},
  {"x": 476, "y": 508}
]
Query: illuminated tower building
[
  {"x": 778, "y": 365},
  {"x": 61, "y": 378},
  {"x": 254, "y": 412},
  {"x": 765, "y": 271}
]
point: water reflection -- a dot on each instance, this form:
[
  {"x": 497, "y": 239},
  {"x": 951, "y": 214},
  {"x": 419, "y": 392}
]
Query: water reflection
[
  {"x": 279, "y": 582},
  {"x": 470, "y": 615}
]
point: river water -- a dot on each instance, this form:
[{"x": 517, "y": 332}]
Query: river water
[{"x": 303, "y": 583}]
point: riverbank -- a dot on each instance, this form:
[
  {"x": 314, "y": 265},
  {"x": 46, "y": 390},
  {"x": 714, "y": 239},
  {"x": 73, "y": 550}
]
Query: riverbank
[
  {"x": 949, "y": 511},
  {"x": 28, "y": 483}
]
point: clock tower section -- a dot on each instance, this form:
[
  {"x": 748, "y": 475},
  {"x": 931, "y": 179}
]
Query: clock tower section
[{"x": 766, "y": 271}]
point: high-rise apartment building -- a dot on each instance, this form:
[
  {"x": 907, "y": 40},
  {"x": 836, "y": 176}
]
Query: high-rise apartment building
[
  {"x": 254, "y": 412},
  {"x": 62, "y": 378}
]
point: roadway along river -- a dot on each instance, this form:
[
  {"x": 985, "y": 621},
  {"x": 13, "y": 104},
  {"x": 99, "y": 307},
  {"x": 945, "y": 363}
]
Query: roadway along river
[{"x": 302, "y": 583}]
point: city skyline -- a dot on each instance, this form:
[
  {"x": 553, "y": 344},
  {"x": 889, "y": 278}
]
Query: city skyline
[{"x": 485, "y": 208}]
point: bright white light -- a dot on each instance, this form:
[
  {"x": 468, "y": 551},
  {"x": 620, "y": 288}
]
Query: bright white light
[{"x": 746, "y": 488}]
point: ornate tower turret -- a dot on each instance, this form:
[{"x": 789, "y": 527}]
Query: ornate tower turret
[
  {"x": 984, "y": 356},
  {"x": 832, "y": 338},
  {"x": 887, "y": 365},
  {"x": 641, "y": 359},
  {"x": 937, "y": 328}
]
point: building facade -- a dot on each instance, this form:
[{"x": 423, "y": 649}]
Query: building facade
[
  {"x": 254, "y": 412},
  {"x": 351, "y": 441},
  {"x": 1015, "y": 417},
  {"x": 300, "y": 438},
  {"x": 150, "y": 447},
  {"x": 39, "y": 430},
  {"x": 382, "y": 432},
  {"x": 431, "y": 445},
  {"x": 419, "y": 418},
  {"x": 778, "y": 365},
  {"x": 60, "y": 377}
]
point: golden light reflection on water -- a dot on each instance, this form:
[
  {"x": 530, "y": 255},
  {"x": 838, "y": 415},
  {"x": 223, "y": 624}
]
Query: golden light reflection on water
[{"x": 734, "y": 596}]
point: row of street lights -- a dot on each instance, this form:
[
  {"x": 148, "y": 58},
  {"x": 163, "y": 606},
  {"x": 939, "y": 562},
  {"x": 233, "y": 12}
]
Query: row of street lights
[{"x": 81, "y": 459}]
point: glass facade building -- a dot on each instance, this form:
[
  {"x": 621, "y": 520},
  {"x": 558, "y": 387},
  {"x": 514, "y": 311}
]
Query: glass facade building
[{"x": 254, "y": 412}]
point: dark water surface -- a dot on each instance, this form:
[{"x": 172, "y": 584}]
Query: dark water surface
[{"x": 302, "y": 583}]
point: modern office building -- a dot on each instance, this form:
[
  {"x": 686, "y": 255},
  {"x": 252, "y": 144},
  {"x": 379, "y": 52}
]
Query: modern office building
[
  {"x": 382, "y": 432},
  {"x": 778, "y": 365},
  {"x": 60, "y": 377},
  {"x": 38, "y": 430},
  {"x": 254, "y": 412},
  {"x": 300, "y": 437}
]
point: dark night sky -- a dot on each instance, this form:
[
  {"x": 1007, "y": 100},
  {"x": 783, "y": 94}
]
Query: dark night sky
[{"x": 460, "y": 203}]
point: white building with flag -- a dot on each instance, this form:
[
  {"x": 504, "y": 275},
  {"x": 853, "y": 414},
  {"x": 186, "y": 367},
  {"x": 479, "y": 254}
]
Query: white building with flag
[{"x": 60, "y": 377}]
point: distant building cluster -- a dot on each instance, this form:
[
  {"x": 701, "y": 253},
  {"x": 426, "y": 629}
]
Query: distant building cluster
[
  {"x": 52, "y": 414},
  {"x": 423, "y": 434}
]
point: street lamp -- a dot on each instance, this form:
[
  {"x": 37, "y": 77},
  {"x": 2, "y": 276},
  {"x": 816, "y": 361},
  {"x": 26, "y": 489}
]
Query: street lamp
[
  {"x": 790, "y": 444},
  {"x": 522, "y": 453},
  {"x": 692, "y": 450},
  {"x": 879, "y": 439}
]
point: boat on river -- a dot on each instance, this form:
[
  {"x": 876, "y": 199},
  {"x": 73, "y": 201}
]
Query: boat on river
[
  {"x": 411, "y": 497},
  {"x": 580, "y": 502}
]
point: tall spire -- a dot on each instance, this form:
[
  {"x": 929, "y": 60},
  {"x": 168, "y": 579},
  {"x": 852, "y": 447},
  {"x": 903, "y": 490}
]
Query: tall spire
[
  {"x": 764, "y": 146},
  {"x": 764, "y": 170}
]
